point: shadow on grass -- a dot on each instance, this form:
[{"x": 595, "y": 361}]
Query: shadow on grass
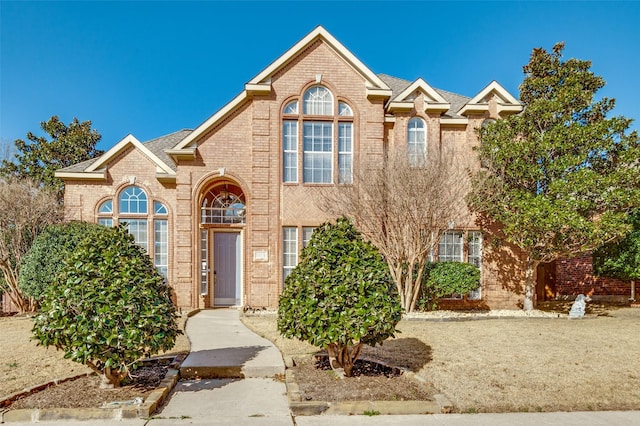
[{"x": 405, "y": 352}]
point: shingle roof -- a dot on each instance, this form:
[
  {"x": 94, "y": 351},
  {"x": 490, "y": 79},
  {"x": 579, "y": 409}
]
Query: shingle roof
[
  {"x": 156, "y": 146},
  {"x": 398, "y": 85}
]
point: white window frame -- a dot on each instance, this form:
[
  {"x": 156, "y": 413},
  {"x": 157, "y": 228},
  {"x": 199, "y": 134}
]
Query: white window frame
[
  {"x": 289, "y": 250},
  {"x": 417, "y": 141},
  {"x": 321, "y": 121},
  {"x": 316, "y": 157},
  {"x": 290, "y": 151},
  {"x": 345, "y": 152}
]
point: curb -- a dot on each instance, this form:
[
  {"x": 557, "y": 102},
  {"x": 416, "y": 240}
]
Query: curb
[{"x": 440, "y": 404}]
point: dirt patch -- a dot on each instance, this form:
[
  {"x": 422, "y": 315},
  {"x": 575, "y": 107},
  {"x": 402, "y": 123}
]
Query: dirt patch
[
  {"x": 85, "y": 392},
  {"x": 371, "y": 381},
  {"x": 512, "y": 364}
]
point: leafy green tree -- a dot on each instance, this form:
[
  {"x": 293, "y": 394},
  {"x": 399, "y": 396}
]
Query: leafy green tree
[
  {"x": 621, "y": 259},
  {"x": 340, "y": 296},
  {"x": 38, "y": 157},
  {"x": 446, "y": 278},
  {"x": 109, "y": 307},
  {"x": 560, "y": 177},
  {"x": 45, "y": 259}
]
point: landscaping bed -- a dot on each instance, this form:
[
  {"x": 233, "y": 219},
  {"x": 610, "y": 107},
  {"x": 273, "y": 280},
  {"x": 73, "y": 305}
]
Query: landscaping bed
[{"x": 26, "y": 365}]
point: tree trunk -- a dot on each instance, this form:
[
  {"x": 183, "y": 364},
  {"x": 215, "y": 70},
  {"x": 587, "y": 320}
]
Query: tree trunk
[
  {"x": 342, "y": 358},
  {"x": 529, "y": 284}
]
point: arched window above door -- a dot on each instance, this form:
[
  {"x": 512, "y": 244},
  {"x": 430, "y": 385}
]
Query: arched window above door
[{"x": 223, "y": 204}]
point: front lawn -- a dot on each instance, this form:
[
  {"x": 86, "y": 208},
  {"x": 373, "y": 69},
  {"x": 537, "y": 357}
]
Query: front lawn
[{"x": 524, "y": 364}]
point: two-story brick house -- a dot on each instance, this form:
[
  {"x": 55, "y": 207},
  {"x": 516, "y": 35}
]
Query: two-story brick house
[{"x": 224, "y": 209}]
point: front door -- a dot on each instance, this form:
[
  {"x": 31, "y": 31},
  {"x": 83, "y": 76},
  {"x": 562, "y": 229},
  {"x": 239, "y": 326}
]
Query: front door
[{"x": 227, "y": 268}]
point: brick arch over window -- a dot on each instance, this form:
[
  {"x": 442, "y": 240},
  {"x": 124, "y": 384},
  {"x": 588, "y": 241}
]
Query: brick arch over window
[{"x": 320, "y": 126}]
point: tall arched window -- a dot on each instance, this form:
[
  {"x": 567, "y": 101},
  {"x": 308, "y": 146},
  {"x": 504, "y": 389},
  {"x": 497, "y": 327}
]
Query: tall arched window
[
  {"x": 417, "y": 141},
  {"x": 137, "y": 212},
  {"x": 133, "y": 211},
  {"x": 324, "y": 133}
]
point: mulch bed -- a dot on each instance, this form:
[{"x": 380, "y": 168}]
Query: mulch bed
[
  {"x": 371, "y": 381},
  {"x": 85, "y": 392}
]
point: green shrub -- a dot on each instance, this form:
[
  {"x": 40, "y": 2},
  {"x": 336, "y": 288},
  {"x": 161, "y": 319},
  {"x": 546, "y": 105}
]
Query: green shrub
[
  {"x": 445, "y": 279},
  {"x": 45, "y": 259},
  {"x": 339, "y": 296},
  {"x": 108, "y": 308}
]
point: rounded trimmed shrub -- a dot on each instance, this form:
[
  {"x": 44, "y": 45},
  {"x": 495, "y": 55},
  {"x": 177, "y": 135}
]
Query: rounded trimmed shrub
[
  {"x": 109, "y": 307},
  {"x": 45, "y": 259},
  {"x": 340, "y": 295}
]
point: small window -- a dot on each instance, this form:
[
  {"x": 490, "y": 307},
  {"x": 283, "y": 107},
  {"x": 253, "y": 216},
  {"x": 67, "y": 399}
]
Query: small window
[
  {"x": 344, "y": 110},
  {"x": 159, "y": 208},
  {"x": 307, "y": 231},
  {"x": 105, "y": 221},
  {"x": 289, "y": 250},
  {"x": 488, "y": 121},
  {"x": 133, "y": 200},
  {"x": 106, "y": 207},
  {"x": 450, "y": 247},
  {"x": 291, "y": 108}
]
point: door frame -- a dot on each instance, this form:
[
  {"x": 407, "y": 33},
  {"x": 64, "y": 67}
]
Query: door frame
[{"x": 239, "y": 265}]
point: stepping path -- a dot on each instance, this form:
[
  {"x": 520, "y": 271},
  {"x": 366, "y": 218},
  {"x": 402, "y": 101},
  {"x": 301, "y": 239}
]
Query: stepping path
[{"x": 234, "y": 376}]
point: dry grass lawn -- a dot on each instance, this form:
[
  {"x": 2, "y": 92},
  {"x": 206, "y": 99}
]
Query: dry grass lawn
[
  {"x": 24, "y": 364},
  {"x": 526, "y": 364}
]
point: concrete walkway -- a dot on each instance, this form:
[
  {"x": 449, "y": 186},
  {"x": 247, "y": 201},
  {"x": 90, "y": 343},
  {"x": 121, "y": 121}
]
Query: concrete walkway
[{"x": 235, "y": 376}]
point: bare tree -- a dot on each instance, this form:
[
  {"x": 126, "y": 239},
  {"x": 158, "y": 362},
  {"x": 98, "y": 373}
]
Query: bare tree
[
  {"x": 402, "y": 210},
  {"x": 26, "y": 208}
]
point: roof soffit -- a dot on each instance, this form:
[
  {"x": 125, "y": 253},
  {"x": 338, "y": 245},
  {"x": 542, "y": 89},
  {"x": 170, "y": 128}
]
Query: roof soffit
[
  {"x": 130, "y": 140},
  {"x": 433, "y": 100},
  {"x": 506, "y": 102}
]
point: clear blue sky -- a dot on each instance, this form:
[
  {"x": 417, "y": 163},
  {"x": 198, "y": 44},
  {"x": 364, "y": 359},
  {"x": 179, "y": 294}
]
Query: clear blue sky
[{"x": 151, "y": 68}]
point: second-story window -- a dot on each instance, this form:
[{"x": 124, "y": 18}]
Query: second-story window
[
  {"x": 417, "y": 141},
  {"x": 323, "y": 131}
]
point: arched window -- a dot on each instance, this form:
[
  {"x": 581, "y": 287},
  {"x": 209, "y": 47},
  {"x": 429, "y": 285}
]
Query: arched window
[
  {"x": 134, "y": 210},
  {"x": 133, "y": 200},
  {"x": 105, "y": 213},
  {"x": 318, "y": 100},
  {"x": 326, "y": 139},
  {"x": 223, "y": 204},
  {"x": 417, "y": 141}
]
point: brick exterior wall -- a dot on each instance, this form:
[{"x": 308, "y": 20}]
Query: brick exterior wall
[
  {"x": 245, "y": 149},
  {"x": 574, "y": 276}
]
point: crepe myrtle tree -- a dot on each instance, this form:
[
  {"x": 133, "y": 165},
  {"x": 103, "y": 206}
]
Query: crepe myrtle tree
[
  {"x": 402, "y": 208},
  {"x": 108, "y": 307},
  {"x": 561, "y": 177},
  {"x": 340, "y": 296}
]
